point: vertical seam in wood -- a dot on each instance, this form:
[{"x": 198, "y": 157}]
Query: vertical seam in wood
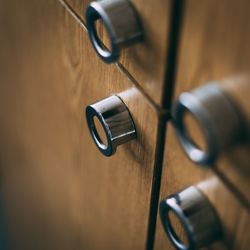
[
  {"x": 172, "y": 53},
  {"x": 173, "y": 37},
  {"x": 162, "y": 112},
  {"x": 156, "y": 183}
]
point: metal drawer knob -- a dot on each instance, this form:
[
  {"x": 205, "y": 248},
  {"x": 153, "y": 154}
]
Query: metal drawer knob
[
  {"x": 116, "y": 121},
  {"x": 219, "y": 118},
  {"x": 122, "y": 24},
  {"x": 197, "y": 216}
]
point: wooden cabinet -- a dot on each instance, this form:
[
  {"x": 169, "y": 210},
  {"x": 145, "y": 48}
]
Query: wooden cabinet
[{"x": 57, "y": 190}]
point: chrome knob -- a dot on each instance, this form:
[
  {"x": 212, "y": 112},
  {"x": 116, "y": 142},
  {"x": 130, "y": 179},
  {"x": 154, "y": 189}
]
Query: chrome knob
[
  {"x": 197, "y": 216},
  {"x": 122, "y": 24},
  {"x": 116, "y": 121},
  {"x": 218, "y": 116}
]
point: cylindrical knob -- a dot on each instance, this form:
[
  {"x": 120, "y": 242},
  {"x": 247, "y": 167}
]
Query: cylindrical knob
[
  {"x": 116, "y": 121},
  {"x": 122, "y": 24},
  {"x": 197, "y": 216},
  {"x": 220, "y": 119}
]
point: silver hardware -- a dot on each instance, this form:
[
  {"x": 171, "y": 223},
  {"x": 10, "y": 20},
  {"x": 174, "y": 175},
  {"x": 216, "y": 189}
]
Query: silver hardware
[
  {"x": 197, "y": 216},
  {"x": 116, "y": 120},
  {"x": 216, "y": 113},
  {"x": 122, "y": 24}
]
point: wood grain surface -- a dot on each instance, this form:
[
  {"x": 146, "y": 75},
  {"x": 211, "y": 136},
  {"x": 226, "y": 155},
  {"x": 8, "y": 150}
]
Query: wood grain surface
[
  {"x": 214, "y": 47},
  {"x": 146, "y": 62},
  {"x": 59, "y": 191},
  {"x": 178, "y": 173}
]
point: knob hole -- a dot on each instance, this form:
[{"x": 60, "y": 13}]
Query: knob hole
[
  {"x": 176, "y": 226},
  {"x": 99, "y": 133},
  {"x": 174, "y": 223},
  {"x": 194, "y": 131},
  {"x": 103, "y": 35}
]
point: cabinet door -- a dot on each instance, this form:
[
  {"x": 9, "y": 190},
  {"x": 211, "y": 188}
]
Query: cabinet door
[
  {"x": 59, "y": 191},
  {"x": 213, "y": 47},
  {"x": 145, "y": 62}
]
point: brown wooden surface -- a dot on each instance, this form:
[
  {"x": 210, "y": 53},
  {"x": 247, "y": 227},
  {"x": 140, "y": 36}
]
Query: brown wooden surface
[
  {"x": 178, "y": 173},
  {"x": 214, "y": 47},
  {"x": 235, "y": 164},
  {"x": 59, "y": 191},
  {"x": 146, "y": 61}
]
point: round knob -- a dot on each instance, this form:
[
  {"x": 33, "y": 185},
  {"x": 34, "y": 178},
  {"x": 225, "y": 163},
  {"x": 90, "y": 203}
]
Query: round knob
[
  {"x": 122, "y": 24},
  {"x": 197, "y": 217},
  {"x": 116, "y": 121},
  {"x": 220, "y": 119}
]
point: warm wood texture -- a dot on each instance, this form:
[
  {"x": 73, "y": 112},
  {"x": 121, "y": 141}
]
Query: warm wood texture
[
  {"x": 214, "y": 46},
  {"x": 59, "y": 191},
  {"x": 178, "y": 173},
  {"x": 146, "y": 62},
  {"x": 79, "y": 6},
  {"x": 235, "y": 164}
]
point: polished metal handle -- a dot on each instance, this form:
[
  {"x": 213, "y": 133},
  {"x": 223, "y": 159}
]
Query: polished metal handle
[
  {"x": 219, "y": 117},
  {"x": 116, "y": 121},
  {"x": 122, "y": 24},
  {"x": 197, "y": 216}
]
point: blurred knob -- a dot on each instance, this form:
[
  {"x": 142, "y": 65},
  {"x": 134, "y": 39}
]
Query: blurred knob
[
  {"x": 219, "y": 118},
  {"x": 197, "y": 216},
  {"x": 122, "y": 24},
  {"x": 116, "y": 122}
]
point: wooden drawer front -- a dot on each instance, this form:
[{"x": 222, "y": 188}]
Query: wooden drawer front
[
  {"x": 60, "y": 191},
  {"x": 179, "y": 173},
  {"x": 145, "y": 61},
  {"x": 214, "y": 47}
]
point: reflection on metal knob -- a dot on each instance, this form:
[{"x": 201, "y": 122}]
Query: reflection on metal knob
[
  {"x": 116, "y": 121},
  {"x": 218, "y": 116},
  {"x": 122, "y": 24},
  {"x": 198, "y": 219}
]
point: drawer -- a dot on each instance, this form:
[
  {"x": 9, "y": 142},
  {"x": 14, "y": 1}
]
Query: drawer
[
  {"x": 177, "y": 174},
  {"x": 213, "y": 47},
  {"x": 146, "y": 62},
  {"x": 60, "y": 191}
]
